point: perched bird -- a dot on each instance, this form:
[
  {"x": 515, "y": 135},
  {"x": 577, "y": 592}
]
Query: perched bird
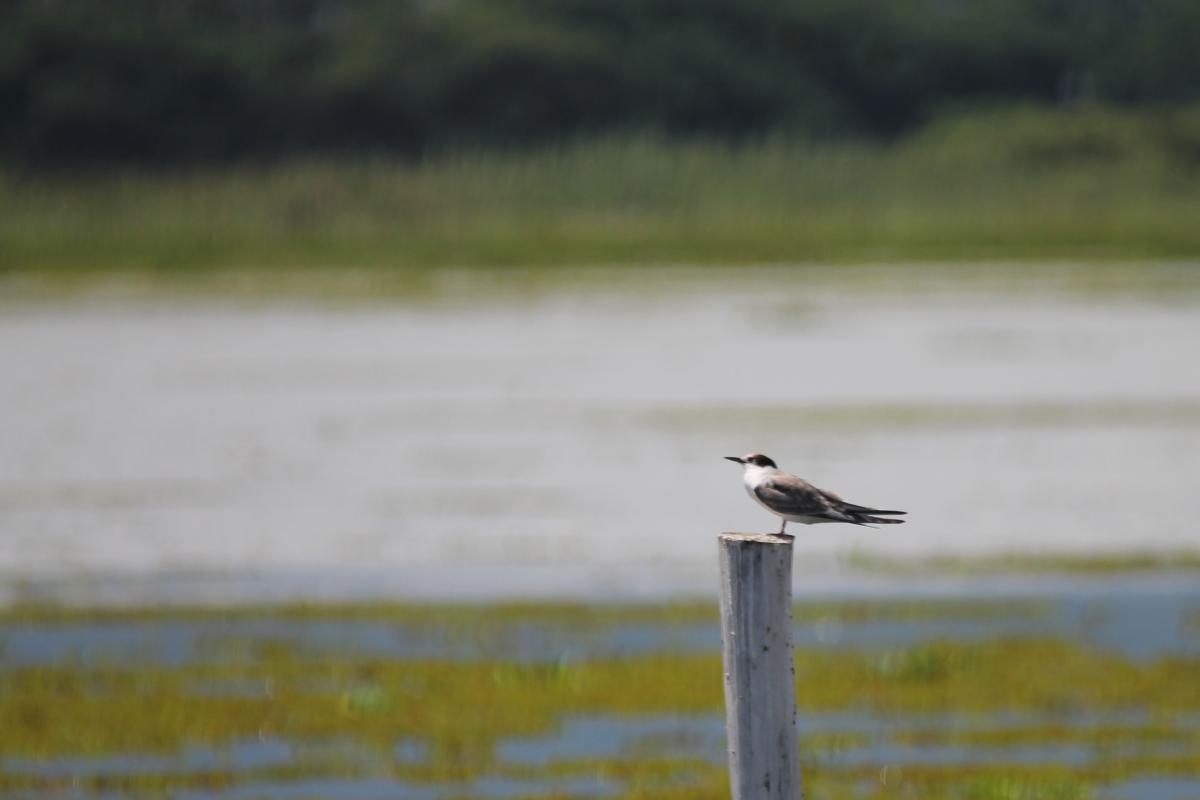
[{"x": 797, "y": 500}]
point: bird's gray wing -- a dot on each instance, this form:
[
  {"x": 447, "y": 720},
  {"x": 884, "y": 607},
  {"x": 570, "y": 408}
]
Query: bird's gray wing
[
  {"x": 797, "y": 498},
  {"x": 852, "y": 509}
]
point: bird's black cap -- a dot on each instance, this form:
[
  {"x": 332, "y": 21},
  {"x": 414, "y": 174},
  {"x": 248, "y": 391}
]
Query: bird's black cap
[{"x": 757, "y": 459}]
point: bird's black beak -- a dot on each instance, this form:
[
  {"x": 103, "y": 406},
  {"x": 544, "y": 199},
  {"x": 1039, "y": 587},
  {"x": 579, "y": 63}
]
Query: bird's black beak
[{"x": 734, "y": 458}]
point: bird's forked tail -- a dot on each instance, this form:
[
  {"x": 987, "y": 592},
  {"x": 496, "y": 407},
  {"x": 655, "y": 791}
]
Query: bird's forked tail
[{"x": 861, "y": 515}]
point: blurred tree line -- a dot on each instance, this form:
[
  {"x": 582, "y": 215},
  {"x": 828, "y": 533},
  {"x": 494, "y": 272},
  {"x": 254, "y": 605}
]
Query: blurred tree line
[{"x": 201, "y": 80}]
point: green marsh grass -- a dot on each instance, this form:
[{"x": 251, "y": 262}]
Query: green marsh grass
[
  {"x": 461, "y": 709},
  {"x": 1032, "y": 563},
  {"x": 1024, "y": 184},
  {"x": 469, "y": 617}
]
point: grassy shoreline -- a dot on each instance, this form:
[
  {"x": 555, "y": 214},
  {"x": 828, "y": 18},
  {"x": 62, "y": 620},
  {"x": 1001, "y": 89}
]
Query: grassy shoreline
[{"x": 1012, "y": 185}]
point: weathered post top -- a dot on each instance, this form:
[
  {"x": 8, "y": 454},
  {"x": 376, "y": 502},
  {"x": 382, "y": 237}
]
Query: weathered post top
[
  {"x": 764, "y": 538},
  {"x": 760, "y": 690}
]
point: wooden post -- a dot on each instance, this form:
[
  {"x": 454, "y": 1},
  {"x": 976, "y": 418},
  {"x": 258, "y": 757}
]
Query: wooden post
[{"x": 760, "y": 689}]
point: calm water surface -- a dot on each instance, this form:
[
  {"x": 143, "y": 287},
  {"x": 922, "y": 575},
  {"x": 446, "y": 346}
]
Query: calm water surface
[{"x": 567, "y": 437}]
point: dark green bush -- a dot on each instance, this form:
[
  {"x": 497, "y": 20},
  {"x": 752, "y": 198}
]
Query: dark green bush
[{"x": 195, "y": 80}]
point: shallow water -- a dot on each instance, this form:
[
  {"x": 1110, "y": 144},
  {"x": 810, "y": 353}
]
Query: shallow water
[
  {"x": 1135, "y": 622},
  {"x": 598, "y": 753},
  {"x": 1159, "y": 788},
  {"x": 567, "y": 437}
]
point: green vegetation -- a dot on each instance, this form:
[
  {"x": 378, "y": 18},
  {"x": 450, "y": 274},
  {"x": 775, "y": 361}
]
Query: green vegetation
[
  {"x": 345, "y": 713},
  {"x": 161, "y": 81},
  {"x": 474, "y": 618},
  {"x": 218, "y": 141},
  {"x": 1182, "y": 560},
  {"x": 1024, "y": 184}
]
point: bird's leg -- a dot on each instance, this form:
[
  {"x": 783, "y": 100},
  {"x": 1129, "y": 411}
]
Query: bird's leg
[{"x": 783, "y": 528}]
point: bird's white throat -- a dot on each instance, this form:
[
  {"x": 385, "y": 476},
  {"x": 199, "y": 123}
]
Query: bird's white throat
[{"x": 754, "y": 475}]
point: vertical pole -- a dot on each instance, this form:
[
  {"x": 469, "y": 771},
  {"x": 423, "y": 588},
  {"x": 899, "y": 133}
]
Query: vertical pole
[{"x": 760, "y": 689}]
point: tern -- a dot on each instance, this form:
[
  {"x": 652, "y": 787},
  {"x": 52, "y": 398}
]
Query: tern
[{"x": 796, "y": 500}]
